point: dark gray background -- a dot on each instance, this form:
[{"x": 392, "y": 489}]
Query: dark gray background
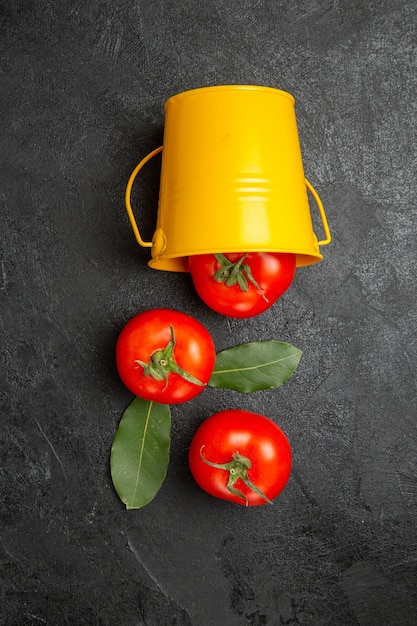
[{"x": 81, "y": 102}]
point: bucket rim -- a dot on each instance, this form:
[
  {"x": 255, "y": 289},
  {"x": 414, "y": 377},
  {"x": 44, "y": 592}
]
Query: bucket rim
[
  {"x": 230, "y": 87},
  {"x": 179, "y": 260}
]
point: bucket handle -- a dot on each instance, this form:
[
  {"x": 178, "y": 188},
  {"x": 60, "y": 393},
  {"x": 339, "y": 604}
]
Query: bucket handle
[
  {"x": 141, "y": 242},
  {"x": 149, "y": 244},
  {"x": 326, "y": 229}
]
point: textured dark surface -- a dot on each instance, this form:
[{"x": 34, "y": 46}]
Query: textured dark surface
[{"x": 82, "y": 89}]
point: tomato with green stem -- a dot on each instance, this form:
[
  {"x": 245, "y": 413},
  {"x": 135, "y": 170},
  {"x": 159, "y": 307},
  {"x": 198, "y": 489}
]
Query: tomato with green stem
[
  {"x": 240, "y": 456},
  {"x": 165, "y": 356},
  {"x": 242, "y": 284}
]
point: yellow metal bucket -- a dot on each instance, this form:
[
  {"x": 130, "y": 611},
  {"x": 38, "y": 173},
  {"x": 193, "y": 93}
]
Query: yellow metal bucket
[{"x": 232, "y": 178}]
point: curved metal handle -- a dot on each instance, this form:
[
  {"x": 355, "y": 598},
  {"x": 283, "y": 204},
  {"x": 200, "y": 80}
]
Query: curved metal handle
[
  {"x": 322, "y": 214},
  {"x": 141, "y": 242}
]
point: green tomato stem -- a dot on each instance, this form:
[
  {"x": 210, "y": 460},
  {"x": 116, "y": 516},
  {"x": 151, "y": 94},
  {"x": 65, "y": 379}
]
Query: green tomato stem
[
  {"x": 238, "y": 273},
  {"x": 162, "y": 363},
  {"x": 238, "y": 469}
]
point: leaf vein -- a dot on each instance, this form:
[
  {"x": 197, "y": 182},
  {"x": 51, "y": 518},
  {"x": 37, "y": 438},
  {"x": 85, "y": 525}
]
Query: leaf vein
[
  {"x": 145, "y": 429},
  {"x": 253, "y": 367}
]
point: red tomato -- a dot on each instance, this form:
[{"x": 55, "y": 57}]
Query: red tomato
[
  {"x": 240, "y": 456},
  {"x": 241, "y": 285},
  {"x": 165, "y": 356}
]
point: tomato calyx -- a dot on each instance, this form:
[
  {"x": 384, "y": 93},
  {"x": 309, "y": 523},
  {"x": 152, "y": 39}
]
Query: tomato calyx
[
  {"x": 238, "y": 469},
  {"x": 240, "y": 273},
  {"x": 162, "y": 363}
]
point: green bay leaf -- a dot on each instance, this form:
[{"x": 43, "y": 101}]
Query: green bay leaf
[
  {"x": 255, "y": 366},
  {"x": 140, "y": 452}
]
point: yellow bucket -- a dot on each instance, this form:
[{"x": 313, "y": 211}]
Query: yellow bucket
[{"x": 232, "y": 178}]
